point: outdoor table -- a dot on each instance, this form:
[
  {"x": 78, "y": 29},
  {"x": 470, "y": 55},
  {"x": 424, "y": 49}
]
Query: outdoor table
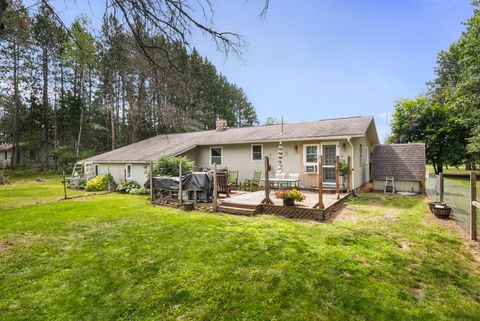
[{"x": 281, "y": 181}]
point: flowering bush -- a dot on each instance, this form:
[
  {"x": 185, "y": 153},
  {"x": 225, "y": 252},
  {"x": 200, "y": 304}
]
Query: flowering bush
[
  {"x": 293, "y": 193},
  {"x": 127, "y": 186},
  {"x": 97, "y": 184}
]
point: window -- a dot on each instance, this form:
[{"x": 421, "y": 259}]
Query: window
[
  {"x": 257, "y": 152},
  {"x": 128, "y": 171},
  {"x": 361, "y": 155},
  {"x": 96, "y": 169},
  {"x": 216, "y": 155},
  {"x": 310, "y": 158}
]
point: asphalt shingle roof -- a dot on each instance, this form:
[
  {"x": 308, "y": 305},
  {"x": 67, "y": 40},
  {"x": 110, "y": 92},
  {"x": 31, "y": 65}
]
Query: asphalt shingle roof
[
  {"x": 405, "y": 162},
  {"x": 174, "y": 144}
]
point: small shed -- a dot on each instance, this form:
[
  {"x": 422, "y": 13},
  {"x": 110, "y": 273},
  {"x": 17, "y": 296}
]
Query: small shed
[{"x": 404, "y": 162}]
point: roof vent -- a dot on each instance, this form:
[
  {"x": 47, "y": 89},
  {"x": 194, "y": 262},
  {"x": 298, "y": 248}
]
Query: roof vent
[{"x": 221, "y": 125}]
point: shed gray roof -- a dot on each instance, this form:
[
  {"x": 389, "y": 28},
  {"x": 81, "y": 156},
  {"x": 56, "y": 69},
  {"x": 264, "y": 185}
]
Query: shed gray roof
[
  {"x": 405, "y": 162},
  {"x": 174, "y": 144}
]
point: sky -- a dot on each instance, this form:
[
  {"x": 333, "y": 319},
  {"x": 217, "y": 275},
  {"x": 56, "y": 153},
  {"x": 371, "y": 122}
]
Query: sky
[{"x": 316, "y": 59}]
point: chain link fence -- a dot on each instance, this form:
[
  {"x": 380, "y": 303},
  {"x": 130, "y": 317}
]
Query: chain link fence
[{"x": 456, "y": 194}]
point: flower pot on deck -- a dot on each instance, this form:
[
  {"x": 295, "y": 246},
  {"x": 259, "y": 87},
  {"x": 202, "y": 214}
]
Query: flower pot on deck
[{"x": 288, "y": 202}]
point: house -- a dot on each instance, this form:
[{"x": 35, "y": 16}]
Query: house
[
  {"x": 5, "y": 155},
  {"x": 404, "y": 162},
  {"x": 244, "y": 149}
]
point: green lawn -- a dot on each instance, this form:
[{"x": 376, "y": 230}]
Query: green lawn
[
  {"x": 25, "y": 190},
  {"x": 115, "y": 257}
]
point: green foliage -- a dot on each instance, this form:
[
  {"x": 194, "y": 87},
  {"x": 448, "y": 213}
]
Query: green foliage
[
  {"x": 97, "y": 184},
  {"x": 292, "y": 193},
  {"x": 169, "y": 166},
  {"x": 342, "y": 167},
  {"x": 126, "y": 187},
  {"x": 139, "y": 191}
]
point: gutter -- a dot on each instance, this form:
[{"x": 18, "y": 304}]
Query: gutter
[{"x": 353, "y": 162}]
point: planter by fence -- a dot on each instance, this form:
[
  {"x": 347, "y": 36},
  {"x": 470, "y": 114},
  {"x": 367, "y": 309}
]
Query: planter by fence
[
  {"x": 442, "y": 211},
  {"x": 431, "y": 205}
]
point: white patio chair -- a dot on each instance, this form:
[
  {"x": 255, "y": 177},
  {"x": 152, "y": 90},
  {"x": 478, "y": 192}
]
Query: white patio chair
[
  {"x": 293, "y": 176},
  {"x": 278, "y": 176},
  {"x": 389, "y": 184}
]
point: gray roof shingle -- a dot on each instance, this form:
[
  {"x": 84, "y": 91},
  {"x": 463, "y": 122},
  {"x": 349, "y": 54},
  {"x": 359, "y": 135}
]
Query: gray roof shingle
[
  {"x": 405, "y": 162},
  {"x": 173, "y": 144}
]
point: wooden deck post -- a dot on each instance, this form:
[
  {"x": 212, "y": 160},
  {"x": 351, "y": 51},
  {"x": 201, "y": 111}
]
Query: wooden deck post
[
  {"x": 440, "y": 177},
  {"x": 215, "y": 187},
  {"x": 267, "y": 199},
  {"x": 349, "y": 173},
  {"x": 152, "y": 193},
  {"x": 180, "y": 187},
  {"x": 320, "y": 204},
  {"x": 337, "y": 176},
  {"x": 473, "y": 206}
]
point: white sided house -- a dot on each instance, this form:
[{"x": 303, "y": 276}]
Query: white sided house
[
  {"x": 5, "y": 155},
  {"x": 244, "y": 148}
]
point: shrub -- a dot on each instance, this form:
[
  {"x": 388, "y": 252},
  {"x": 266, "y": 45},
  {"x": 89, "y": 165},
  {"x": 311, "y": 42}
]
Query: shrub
[
  {"x": 97, "y": 184},
  {"x": 342, "y": 168},
  {"x": 139, "y": 191},
  {"x": 168, "y": 166},
  {"x": 127, "y": 186},
  {"x": 110, "y": 181},
  {"x": 293, "y": 193}
]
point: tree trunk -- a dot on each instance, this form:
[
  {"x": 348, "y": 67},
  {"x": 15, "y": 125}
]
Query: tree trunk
[
  {"x": 45, "y": 102},
  {"x": 16, "y": 114},
  {"x": 82, "y": 111}
]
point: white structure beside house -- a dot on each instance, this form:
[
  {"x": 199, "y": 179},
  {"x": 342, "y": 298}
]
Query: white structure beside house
[
  {"x": 405, "y": 163},
  {"x": 244, "y": 148},
  {"x": 5, "y": 155}
]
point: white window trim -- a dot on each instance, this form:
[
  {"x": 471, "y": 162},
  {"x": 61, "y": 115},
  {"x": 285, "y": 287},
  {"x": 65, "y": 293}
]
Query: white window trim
[
  {"x": 305, "y": 163},
  {"x": 221, "y": 156},
  {"x": 251, "y": 153},
  {"x": 126, "y": 171}
]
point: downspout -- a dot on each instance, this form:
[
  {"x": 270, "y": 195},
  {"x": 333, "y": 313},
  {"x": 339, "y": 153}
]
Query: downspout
[{"x": 353, "y": 167}]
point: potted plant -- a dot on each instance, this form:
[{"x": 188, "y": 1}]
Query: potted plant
[{"x": 290, "y": 196}]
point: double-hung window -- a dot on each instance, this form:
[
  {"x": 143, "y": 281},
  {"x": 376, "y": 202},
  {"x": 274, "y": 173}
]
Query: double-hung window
[
  {"x": 310, "y": 160},
  {"x": 257, "y": 152},
  {"x": 216, "y": 155}
]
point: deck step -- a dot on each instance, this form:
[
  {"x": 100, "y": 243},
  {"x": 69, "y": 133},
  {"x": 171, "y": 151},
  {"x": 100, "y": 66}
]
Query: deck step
[
  {"x": 237, "y": 210},
  {"x": 238, "y": 205}
]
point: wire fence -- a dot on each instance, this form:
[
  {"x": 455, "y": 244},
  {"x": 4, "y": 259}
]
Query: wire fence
[{"x": 456, "y": 194}]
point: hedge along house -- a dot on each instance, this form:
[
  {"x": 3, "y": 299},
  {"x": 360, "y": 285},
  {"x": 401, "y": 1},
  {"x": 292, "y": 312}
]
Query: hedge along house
[
  {"x": 244, "y": 148},
  {"x": 404, "y": 162}
]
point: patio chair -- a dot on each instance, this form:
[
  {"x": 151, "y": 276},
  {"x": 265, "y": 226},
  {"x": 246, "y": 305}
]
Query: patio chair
[
  {"x": 253, "y": 184},
  {"x": 389, "y": 185},
  {"x": 293, "y": 176},
  {"x": 233, "y": 178},
  {"x": 279, "y": 184},
  {"x": 222, "y": 183}
]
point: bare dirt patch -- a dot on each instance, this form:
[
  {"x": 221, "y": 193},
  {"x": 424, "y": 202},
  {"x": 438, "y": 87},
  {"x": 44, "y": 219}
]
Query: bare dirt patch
[
  {"x": 352, "y": 213},
  {"x": 5, "y": 245}
]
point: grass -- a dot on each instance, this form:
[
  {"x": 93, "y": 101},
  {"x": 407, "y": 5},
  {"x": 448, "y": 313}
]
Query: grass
[
  {"x": 25, "y": 190},
  {"x": 452, "y": 171},
  {"x": 115, "y": 257}
]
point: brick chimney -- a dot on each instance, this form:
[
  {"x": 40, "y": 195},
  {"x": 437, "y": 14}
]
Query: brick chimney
[{"x": 221, "y": 125}]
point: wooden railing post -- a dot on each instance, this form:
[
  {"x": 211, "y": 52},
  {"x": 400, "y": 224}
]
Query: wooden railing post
[
  {"x": 215, "y": 188},
  {"x": 349, "y": 173},
  {"x": 180, "y": 187},
  {"x": 267, "y": 199},
  {"x": 337, "y": 176},
  {"x": 473, "y": 206},
  {"x": 152, "y": 193},
  {"x": 320, "y": 204}
]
